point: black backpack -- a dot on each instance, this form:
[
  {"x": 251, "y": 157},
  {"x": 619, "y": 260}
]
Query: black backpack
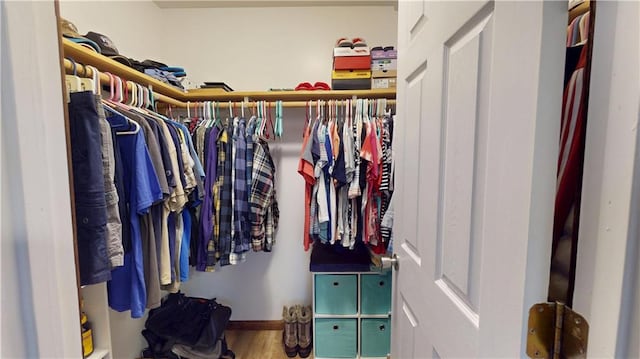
[{"x": 195, "y": 322}]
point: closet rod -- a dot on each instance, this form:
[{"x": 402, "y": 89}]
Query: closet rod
[
  {"x": 83, "y": 71},
  {"x": 288, "y": 104}
]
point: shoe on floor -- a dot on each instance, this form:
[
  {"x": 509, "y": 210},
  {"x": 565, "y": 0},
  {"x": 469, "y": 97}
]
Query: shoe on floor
[
  {"x": 290, "y": 332},
  {"x": 305, "y": 337}
]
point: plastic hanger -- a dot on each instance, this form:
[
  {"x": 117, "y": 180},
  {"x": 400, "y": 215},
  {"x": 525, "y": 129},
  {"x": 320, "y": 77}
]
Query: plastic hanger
[
  {"x": 95, "y": 73},
  {"x": 273, "y": 130},
  {"x": 258, "y": 130},
  {"x": 145, "y": 98},
  {"x": 73, "y": 83},
  {"x": 279, "y": 128},
  {"x": 87, "y": 84}
]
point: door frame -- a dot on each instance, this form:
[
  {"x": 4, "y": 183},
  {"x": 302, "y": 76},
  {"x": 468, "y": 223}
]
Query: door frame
[{"x": 606, "y": 269}]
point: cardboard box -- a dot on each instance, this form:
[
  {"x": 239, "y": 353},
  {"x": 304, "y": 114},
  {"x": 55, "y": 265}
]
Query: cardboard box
[
  {"x": 384, "y": 83},
  {"x": 351, "y": 74},
  {"x": 348, "y": 51},
  {"x": 352, "y": 63},
  {"x": 384, "y": 73},
  {"x": 351, "y": 84},
  {"x": 381, "y": 54},
  {"x": 385, "y": 64}
]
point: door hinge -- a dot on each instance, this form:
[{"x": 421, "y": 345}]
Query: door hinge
[{"x": 555, "y": 331}]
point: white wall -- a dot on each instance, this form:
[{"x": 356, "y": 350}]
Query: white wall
[
  {"x": 274, "y": 47},
  {"x": 249, "y": 49},
  {"x": 39, "y": 294},
  {"x": 133, "y": 26}
]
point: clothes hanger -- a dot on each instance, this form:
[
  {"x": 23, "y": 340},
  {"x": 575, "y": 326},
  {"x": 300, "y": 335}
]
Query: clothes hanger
[
  {"x": 273, "y": 130},
  {"x": 95, "y": 77},
  {"x": 111, "y": 102},
  {"x": 279, "y": 125},
  {"x": 73, "y": 83},
  {"x": 145, "y": 100},
  {"x": 87, "y": 84}
]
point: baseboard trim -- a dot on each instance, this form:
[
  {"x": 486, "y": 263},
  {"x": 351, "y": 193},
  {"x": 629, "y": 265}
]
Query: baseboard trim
[{"x": 256, "y": 325}]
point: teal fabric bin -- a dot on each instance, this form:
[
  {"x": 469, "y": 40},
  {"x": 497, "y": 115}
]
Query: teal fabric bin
[
  {"x": 375, "y": 337},
  {"x": 336, "y": 338},
  {"x": 336, "y": 293},
  {"x": 375, "y": 296}
]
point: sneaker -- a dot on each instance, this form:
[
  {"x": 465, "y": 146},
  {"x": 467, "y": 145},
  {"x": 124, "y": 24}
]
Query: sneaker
[
  {"x": 358, "y": 42},
  {"x": 344, "y": 42},
  {"x": 290, "y": 332},
  {"x": 305, "y": 338}
]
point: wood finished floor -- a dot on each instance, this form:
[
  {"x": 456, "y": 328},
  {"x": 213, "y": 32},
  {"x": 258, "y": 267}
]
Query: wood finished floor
[{"x": 257, "y": 344}]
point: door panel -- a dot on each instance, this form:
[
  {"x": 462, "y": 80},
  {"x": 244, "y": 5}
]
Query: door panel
[{"x": 470, "y": 132}]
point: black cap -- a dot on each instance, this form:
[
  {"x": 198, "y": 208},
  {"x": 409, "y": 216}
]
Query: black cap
[{"x": 107, "y": 47}]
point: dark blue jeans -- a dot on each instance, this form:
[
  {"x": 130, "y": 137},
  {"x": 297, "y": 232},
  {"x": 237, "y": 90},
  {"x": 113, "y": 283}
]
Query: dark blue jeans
[{"x": 88, "y": 189}]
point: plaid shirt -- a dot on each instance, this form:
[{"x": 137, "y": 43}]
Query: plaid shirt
[
  {"x": 241, "y": 207},
  {"x": 251, "y": 127},
  {"x": 224, "y": 195},
  {"x": 262, "y": 194},
  {"x": 271, "y": 223}
]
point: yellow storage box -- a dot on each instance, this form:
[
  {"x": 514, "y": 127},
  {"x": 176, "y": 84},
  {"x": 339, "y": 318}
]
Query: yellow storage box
[{"x": 350, "y": 74}]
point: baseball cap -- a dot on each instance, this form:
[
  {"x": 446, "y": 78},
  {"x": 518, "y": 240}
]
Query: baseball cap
[
  {"x": 107, "y": 47},
  {"x": 70, "y": 31}
]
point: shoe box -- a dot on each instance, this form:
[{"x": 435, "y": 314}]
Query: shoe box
[
  {"x": 351, "y": 84},
  {"x": 383, "y": 83},
  {"x": 351, "y": 68},
  {"x": 346, "y": 58},
  {"x": 350, "y": 74},
  {"x": 384, "y": 69}
]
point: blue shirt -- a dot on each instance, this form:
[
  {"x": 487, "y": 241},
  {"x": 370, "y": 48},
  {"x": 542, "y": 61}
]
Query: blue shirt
[
  {"x": 185, "y": 246},
  {"x": 127, "y": 286}
]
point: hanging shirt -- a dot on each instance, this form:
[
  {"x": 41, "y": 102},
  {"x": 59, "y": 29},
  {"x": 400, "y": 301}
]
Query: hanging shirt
[
  {"x": 262, "y": 190},
  {"x": 175, "y": 203},
  {"x": 127, "y": 287},
  {"x": 241, "y": 207},
  {"x": 115, "y": 251},
  {"x": 224, "y": 194},
  {"x": 150, "y": 238},
  {"x": 206, "y": 250},
  {"x": 186, "y": 244},
  {"x": 305, "y": 169}
]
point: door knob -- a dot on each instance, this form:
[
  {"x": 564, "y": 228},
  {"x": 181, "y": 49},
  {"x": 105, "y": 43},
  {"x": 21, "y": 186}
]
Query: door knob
[{"x": 388, "y": 262}]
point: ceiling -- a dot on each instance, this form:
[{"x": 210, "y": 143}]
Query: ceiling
[{"x": 166, "y": 4}]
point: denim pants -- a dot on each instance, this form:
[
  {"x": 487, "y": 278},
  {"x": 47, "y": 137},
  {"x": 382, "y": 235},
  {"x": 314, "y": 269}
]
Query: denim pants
[{"x": 88, "y": 189}]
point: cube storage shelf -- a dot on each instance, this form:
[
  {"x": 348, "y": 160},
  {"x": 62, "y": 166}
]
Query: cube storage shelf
[{"x": 351, "y": 315}]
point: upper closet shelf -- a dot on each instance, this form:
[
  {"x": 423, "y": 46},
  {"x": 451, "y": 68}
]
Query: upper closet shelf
[{"x": 169, "y": 94}]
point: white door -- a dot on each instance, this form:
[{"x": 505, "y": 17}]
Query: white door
[{"x": 479, "y": 103}]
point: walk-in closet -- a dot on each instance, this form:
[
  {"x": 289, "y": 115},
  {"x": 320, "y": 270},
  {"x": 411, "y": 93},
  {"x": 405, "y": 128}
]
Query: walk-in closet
[{"x": 319, "y": 179}]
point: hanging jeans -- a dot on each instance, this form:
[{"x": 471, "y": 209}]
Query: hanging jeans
[{"x": 88, "y": 188}]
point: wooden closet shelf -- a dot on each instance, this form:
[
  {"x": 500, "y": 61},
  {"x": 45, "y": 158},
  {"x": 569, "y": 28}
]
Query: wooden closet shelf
[
  {"x": 177, "y": 97},
  {"x": 82, "y": 55},
  {"x": 212, "y": 94}
]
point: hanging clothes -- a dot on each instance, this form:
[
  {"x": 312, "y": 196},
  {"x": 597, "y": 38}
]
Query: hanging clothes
[
  {"x": 127, "y": 289},
  {"x": 572, "y": 132},
  {"x": 89, "y": 189},
  {"x": 347, "y": 164},
  {"x": 155, "y": 196}
]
